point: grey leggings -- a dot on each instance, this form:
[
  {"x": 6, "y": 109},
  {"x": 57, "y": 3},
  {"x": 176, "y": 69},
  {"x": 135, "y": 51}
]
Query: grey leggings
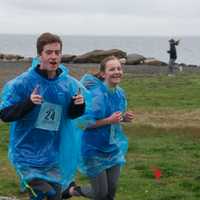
[
  {"x": 103, "y": 187},
  {"x": 171, "y": 65}
]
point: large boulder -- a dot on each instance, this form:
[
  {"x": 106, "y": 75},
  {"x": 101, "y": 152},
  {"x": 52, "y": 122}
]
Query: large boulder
[
  {"x": 134, "y": 59},
  {"x": 193, "y": 65},
  {"x": 123, "y": 61},
  {"x": 1, "y": 56},
  {"x": 67, "y": 58},
  {"x": 97, "y": 56},
  {"x": 27, "y": 59},
  {"x": 154, "y": 61},
  {"x": 12, "y": 57}
]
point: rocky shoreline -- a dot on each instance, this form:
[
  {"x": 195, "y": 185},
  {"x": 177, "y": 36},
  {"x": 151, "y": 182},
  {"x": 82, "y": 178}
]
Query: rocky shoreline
[
  {"x": 10, "y": 69},
  {"x": 96, "y": 56},
  {"x": 11, "y": 65}
]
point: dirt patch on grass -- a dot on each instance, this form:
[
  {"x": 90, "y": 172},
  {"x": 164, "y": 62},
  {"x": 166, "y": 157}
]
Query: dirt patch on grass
[{"x": 169, "y": 118}]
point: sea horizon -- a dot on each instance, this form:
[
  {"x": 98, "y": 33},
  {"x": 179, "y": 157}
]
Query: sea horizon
[{"x": 149, "y": 46}]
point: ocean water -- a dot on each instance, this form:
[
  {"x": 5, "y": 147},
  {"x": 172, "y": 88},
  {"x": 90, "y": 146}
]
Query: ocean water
[{"x": 188, "y": 50}]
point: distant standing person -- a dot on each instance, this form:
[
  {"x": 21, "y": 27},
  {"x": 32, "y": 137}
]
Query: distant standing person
[{"x": 172, "y": 55}]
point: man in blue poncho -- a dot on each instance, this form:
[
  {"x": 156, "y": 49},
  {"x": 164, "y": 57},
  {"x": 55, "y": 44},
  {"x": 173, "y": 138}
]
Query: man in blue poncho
[{"x": 41, "y": 104}]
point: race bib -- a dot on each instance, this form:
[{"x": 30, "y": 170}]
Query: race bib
[{"x": 49, "y": 117}]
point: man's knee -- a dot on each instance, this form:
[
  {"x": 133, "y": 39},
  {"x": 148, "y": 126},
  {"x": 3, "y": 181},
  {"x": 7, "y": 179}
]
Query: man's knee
[
  {"x": 39, "y": 195},
  {"x": 41, "y": 190}
]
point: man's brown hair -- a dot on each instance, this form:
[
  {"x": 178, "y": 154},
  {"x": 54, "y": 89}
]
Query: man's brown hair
[{"x": 47, "y": 38}]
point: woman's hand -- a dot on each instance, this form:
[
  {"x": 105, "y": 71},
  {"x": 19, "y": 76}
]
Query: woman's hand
[
  {"x": 128, "y": 116},
  {"x": 115, "y": 118}
]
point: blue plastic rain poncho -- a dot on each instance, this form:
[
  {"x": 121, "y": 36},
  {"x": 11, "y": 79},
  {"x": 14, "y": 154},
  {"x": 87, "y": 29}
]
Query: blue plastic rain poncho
[
  {"x": 44, "y": 143},
  {"x": 105, "y": 146}
]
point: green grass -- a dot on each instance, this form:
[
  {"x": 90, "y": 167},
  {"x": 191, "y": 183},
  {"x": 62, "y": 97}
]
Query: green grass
[
  {"x": 173, "y": 148},
  {"x": 175, "y": 152},
  {"x": 7, "y": 176},
  {"x": 160, "y": 92}
]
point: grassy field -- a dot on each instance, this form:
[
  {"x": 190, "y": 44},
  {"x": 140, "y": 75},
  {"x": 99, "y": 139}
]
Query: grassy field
[{"x": 164, "y": 135}]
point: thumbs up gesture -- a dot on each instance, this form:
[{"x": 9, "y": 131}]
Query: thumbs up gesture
[
  {"x": 35, "y": 97},
  {"x": 78, "y": 98}
]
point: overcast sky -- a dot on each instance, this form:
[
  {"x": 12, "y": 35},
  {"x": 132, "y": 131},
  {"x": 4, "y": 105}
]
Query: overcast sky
[{"x": 101, "y": 17}]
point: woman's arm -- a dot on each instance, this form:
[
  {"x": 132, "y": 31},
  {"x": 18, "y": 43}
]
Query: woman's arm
[{"x": 112, "y": 119}]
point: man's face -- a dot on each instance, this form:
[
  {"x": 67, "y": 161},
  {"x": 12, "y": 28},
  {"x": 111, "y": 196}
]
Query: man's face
[{"x": 50, "y": 56}]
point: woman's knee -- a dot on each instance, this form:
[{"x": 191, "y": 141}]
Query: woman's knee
[
  {"x": 101, "y": 194},
  {"x": 101, "y": 197}
]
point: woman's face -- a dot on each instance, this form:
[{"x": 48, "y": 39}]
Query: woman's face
[{"x": 113, "y": 73}]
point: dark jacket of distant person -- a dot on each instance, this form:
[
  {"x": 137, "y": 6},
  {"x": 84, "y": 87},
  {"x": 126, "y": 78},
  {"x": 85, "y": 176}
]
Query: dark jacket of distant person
[{"x": 172, "y": 50}]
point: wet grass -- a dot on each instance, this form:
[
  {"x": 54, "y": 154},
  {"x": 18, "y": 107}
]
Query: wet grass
[
  {"x": 160, "y": 92},
  {"x": 175, "y": 152},
  {"x": 165, "y": 136}
]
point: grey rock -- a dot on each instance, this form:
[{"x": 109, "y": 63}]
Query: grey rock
[
  {"x": 12, "y": 57},
  {"x": 97, "y": 56},
  {"x": 67, "y": 58},
  {"x": 134, "y": 59},
  {"x": 154, "y": 62}
]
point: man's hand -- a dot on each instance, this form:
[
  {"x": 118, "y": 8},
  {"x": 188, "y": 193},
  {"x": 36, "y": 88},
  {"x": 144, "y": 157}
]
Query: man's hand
[
  {"x": 35, "y": 97},
  {"x": 78, "y": 99}
]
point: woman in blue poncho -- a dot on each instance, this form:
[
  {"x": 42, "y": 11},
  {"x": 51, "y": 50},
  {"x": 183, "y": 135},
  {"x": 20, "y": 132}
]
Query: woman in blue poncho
[
  {"x": 104, "y": 144},
  {"x": 41, "y": 104}
]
